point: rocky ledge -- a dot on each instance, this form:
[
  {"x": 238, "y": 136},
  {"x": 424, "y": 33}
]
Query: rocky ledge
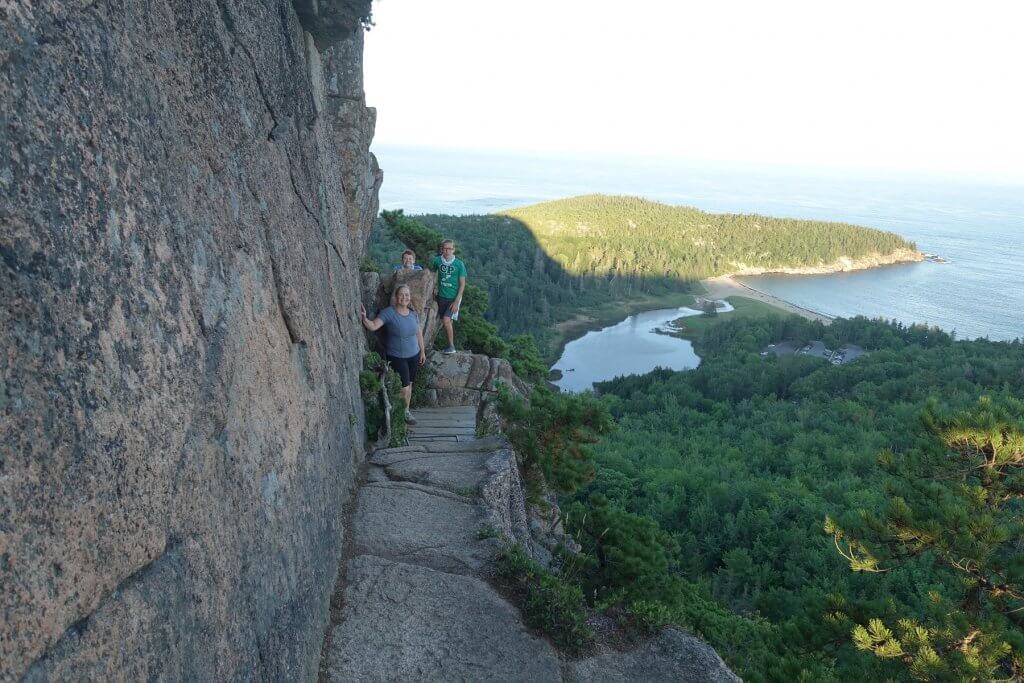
[{"x": 468, "y": 379}]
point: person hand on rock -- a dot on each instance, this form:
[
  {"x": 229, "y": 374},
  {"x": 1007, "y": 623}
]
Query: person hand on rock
[{"x": 404, "y": 344}]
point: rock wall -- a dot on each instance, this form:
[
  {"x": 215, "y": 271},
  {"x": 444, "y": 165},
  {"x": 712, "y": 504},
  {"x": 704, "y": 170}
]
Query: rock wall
[
  {"x": 468, "y": 379},
  {"x": 185, "y": 193}
]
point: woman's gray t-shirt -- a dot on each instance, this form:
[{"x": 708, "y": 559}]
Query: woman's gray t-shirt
[{"x": 402, "y": 341}]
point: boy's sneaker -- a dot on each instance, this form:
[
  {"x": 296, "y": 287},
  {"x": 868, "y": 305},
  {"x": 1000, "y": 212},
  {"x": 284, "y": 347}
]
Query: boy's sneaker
[
  {"x": 409, "y": 419},
  {"x": 449, "y": 350}
]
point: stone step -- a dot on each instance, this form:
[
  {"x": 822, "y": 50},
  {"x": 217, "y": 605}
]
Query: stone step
[
  {"x": 402, "y": 622},
  {"x": 453, "y": 410},
  {"x": 416, "y": 604},
  {"x": 441, "y": 439},
  {"x": 422, "y": 421},
  {"x": 427, "y": 446},
  {"x": 420, "y": 525},
  {"x": 441, "y": 431},
  {"x": 443, "y": 425},
  {"x": 468, "y": 417},
  {"x": 417, "y": 437},
  {"x": 382, "y": 459},
  {"x": 440, "y": 420},
  {"x": 460, "y": 473}
]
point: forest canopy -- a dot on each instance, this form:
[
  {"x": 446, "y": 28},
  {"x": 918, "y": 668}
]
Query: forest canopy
[
  {"x": 601, "y": 235},
  {"x": 820, "y": 522}
]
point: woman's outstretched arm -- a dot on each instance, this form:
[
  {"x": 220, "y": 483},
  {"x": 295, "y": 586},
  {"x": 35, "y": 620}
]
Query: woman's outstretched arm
[{"x": 371, "y": 325}]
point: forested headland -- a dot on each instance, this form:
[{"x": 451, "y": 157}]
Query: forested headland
[{"x": 550, "y": 262}]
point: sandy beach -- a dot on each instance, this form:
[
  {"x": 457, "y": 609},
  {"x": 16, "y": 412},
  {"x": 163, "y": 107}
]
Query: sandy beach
[{"x": 725, "y": 286}]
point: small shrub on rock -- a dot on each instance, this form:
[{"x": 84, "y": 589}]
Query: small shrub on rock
[
  {"x": 421, "y": 386},
  {"x": 487, "y": 531},
  {"x": 649, "y": 616},
  {"x": 552, "y": 433},
  {"x": 373, "y": 407},
  {"x": 525, "y": 359},
  {"x": 550, "y": 604},
  {"x": 374, "y": 367},
  {"x": 368, "y": 265}
]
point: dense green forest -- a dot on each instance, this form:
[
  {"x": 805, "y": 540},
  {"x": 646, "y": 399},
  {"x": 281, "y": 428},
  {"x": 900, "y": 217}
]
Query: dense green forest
[
  {"x": 710, "y": 502},
  {"x": 545, "y": 263},
  {"x": 601, "y": 235}
]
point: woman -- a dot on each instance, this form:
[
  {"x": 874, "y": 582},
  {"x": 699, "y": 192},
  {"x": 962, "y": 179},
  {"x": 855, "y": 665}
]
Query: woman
[{"x": 404, "y": 347}]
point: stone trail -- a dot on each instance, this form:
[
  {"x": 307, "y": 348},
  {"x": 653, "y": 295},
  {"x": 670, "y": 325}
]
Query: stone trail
[{"x": 414, "y": 604}]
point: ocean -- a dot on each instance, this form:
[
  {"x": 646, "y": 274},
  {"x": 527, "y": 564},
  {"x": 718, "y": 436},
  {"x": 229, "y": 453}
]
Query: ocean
[{"x": 978, "y": 228}]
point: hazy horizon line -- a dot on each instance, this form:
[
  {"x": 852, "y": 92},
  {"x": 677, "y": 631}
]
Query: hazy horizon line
[{"x": 861, "y": 172}]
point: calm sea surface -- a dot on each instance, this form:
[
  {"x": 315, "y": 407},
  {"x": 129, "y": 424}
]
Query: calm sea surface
[{"x": 979, "y": 229}]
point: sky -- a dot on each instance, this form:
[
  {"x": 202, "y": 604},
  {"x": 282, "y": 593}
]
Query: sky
[{"x": 900, "y": 85}]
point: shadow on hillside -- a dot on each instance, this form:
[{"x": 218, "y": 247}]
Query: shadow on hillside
[{"x": 532, "y": 291}]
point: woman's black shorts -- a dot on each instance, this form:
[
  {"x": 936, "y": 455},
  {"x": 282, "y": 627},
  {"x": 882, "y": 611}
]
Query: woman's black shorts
[{"x": 406, "y": 368}]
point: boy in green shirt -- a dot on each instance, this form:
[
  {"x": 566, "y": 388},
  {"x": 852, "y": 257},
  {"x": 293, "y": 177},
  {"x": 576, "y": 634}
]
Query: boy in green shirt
[{"x": 451, "y": 281}]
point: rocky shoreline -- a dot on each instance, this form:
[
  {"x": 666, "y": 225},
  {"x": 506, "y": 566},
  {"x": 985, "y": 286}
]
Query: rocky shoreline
[
  {"x": 843, "y": 264},
  {"x": 724, "y": 286}
]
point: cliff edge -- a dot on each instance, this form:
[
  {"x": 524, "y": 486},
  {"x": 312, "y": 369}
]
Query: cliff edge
[{"x": 186, "y": 192}]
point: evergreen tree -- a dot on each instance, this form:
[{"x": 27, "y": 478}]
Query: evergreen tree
[
  {"x": 553, "y": 433},
  {"x": 957, "y": 498}
]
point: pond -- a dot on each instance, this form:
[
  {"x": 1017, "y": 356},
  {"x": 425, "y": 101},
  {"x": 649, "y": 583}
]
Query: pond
[{"x": 631, "y": 347}]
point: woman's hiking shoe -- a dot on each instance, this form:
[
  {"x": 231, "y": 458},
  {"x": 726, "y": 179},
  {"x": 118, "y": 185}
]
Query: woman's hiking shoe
[
  {"x": 449, "y": 350},
  {"x": 409, "y": 419}
]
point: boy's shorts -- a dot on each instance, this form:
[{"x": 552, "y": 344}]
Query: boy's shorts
[{"x": 444, "y": 307}]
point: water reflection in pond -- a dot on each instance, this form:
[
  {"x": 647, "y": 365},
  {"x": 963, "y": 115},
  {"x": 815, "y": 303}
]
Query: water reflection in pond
[{"x": 631, "y": 347}]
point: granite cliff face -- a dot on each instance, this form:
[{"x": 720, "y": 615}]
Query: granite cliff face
[{"x": 185, "y": 192}]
